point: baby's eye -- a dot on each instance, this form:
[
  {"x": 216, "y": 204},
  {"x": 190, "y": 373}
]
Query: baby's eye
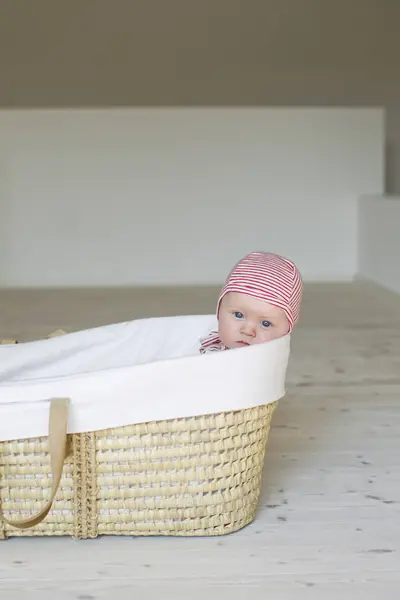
[
  {"x": 266, "y": 324},
  {"x": 238, "y": 315}
]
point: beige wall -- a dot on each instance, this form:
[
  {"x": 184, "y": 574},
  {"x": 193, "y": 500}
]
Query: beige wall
[
  {"x": 204, "y": 52},
  {"x": 379, "y": 241},
  {"x": 170, "y": 196}
]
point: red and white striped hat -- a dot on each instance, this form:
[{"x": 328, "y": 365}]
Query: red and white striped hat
[{"x": 269, "y": 277}]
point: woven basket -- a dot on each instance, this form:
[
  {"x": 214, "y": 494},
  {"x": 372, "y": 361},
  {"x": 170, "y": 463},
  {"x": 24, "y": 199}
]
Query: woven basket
[{"x": 197, "y": 476}]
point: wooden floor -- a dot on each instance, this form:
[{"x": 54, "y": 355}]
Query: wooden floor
[{"x": 329, "y": 518}]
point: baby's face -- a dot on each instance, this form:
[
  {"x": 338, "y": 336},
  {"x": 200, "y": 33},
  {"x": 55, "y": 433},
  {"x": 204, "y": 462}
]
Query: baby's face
[{"x": 244, "y": 320}]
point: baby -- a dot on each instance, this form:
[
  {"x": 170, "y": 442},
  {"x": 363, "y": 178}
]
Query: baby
[{"x": 259, "y": 302}]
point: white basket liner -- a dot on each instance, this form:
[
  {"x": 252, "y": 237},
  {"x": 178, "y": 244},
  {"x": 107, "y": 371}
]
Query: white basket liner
[{"x": 134, "y": 372}]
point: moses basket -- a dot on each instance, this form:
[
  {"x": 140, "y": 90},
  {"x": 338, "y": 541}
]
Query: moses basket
[{"x": 127, "y": 429}]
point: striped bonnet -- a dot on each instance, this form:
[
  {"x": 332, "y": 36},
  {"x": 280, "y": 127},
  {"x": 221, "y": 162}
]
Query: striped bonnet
[{"x": 269, "y": 277}]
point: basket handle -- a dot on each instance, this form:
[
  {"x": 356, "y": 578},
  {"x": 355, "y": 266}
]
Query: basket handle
[{"x": 58, "y": 422}]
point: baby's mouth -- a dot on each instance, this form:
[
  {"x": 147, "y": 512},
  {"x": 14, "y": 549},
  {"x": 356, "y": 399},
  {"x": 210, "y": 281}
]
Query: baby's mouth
[{"x": 242, "y": 343}]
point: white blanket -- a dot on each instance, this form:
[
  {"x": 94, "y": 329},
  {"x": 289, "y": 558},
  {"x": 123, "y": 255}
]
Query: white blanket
[{"x": 138, "y": 371}]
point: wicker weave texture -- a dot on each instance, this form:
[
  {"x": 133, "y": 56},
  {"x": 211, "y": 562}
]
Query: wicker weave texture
[{"x": 195, "y": 476}]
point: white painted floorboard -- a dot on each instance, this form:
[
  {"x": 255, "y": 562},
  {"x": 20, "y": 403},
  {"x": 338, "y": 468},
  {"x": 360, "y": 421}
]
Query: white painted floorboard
[{"x": 329, "y": 519}]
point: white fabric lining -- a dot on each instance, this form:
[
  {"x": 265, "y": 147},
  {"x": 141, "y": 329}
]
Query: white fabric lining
[{"x": 134, "y": 372}]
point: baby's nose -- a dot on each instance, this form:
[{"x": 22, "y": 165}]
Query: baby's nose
[{"x": 249, "y": 330}]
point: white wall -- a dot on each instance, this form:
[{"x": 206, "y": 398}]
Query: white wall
[
  {"x": 379, "y": 240},
  {"x": 176, "y": 196}
]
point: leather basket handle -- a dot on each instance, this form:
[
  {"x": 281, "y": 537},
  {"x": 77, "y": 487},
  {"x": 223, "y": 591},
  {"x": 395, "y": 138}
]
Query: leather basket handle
[{"x": 58, "y": 423}]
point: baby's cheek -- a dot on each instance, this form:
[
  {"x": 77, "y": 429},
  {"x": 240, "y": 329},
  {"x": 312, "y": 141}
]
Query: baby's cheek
[
  {"x": 268, "y": 335},
  {"x": 223, "y": 330},
  {"x": 272, "y": 333},
  {"x": 228, "y": 332}
]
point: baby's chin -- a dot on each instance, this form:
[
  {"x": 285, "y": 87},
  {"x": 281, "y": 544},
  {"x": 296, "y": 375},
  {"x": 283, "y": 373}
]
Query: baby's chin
[
  {"x": 243, "y": 344},
  {"x": 237, "y": 344}
]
